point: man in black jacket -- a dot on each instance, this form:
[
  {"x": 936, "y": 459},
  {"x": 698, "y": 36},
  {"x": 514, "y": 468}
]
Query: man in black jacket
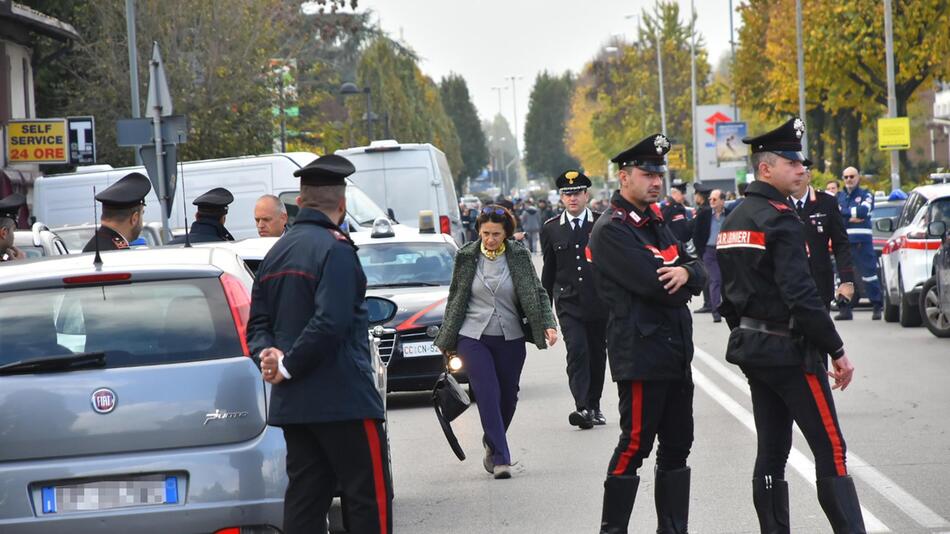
[
  {"x": 823, "y": 226},
  {"x": 567, "y": 278},
  {"x": 308, "y": 327},
  {"x": 123, "y": 208},
  {"x": 209, "y": 219},
  {"x": 646, "y": 277},
  {"x": 700, "y": 234},
  {"x": 780, "y": 333}
]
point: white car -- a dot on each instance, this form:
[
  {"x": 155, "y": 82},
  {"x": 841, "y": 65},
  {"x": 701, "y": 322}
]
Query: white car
[
  {"x": 907, "y": 260},
  {"x": 39, "y": 242}
]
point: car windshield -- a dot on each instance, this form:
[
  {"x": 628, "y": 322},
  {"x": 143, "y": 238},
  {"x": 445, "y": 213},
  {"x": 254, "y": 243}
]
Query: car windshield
[
  {"x": 133, "y": 324},
  {"x": 886, "y": 211},
  {"x": 358, "y": 205},
  {"x": 75, "y": 238},
  {"x": 395, "y": 264}
]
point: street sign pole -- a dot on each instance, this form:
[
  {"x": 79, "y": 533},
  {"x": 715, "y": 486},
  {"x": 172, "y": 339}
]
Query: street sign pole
[
  {"x": 891, "y": 99},
  {"x": 801, "y": 72},
  {"x": 159, "y": 152}
]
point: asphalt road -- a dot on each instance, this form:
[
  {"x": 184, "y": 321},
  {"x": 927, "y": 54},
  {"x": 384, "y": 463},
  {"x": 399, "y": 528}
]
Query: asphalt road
[{"x": 894, "y": 419}]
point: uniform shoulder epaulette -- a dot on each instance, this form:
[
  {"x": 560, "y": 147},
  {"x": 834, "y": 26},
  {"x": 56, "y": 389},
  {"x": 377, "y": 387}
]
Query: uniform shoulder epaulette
[
  {"x": 618, "y": 214},
  {"x": 781, "y": 206},
  {"x": 556, "y": 217},
  {"x": 340, "y": 236},
  {"x": 120, "y": 243}
]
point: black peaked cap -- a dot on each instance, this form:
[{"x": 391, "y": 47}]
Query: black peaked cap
[
  {"x": 128, "y": 192},
  {"x": 786, "y": 140},
  {"x": 572, "y": 180},
  {"x": 326, "y": 170},
  {"x": 10, "y": 206},
  {"x": 214, "y": 201},
  {"x": 649, "y": 154}
]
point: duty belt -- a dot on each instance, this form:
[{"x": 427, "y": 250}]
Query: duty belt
[{"x": 776, "y": 329}]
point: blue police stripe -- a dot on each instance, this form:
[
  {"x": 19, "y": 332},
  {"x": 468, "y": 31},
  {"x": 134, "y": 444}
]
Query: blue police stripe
[
  {"x": 49, "y": 500},
  {"x": 171, "y": 490}
]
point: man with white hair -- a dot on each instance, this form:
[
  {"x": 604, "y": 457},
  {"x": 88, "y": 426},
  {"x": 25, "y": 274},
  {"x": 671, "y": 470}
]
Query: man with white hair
[{"x": 270, "y": 216}]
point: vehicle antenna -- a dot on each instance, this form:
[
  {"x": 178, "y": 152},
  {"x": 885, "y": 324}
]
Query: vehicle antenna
[
  {"x": 95, "y": 223},
  {"x": 184, "y": 206}
]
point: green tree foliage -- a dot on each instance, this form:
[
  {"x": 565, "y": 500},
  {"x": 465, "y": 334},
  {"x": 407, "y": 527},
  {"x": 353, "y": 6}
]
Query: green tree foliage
[
  {"x": 458, "y": 105},
  {"x": 545, "y": 153},
  {"x": 627, "y": 87},
  {"x": 502, "y": 150},
  {"x": 407, "y": 100}
]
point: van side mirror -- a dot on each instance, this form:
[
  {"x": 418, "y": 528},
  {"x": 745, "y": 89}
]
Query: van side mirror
[
  {"x": 936, "y": 229},
  {"x": 884, "y": 225}
]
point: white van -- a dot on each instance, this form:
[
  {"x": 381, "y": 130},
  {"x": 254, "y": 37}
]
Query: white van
[
  {"x": 67, "y": 199},
  {"x": 406, "y": 179}
]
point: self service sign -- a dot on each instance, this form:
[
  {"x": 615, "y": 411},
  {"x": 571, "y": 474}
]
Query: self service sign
[{"x": 37, "y": 141}]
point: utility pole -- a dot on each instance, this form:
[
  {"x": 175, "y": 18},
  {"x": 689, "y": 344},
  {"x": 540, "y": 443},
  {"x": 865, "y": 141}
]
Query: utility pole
[
  {"x": 133, "y": 65},
  {"x": 514, "y": 107},
  {"x": 732, "y": 67},
  {"x": 501, "y": 149},
  {"x": 801, "y": 72},
  {"x": 692, "y": 87},
  {"x": 283, "y": 115},
  {"x": 891, "y": 97},
  {"x": 659, "y": 65}
]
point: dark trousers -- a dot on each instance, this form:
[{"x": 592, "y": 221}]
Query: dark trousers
[
  {"x": 586, "y": 359},
  {"x": 714, "y": 278},
  {"x": 865, "y": 263},
  {"x": 781, "y": 395},
  {"x": 350, "y": 455},
  {"x": 494, "y": 372},
  {"x": 661, "y": 409}
]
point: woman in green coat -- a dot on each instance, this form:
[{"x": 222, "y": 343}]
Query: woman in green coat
[{"x": 496, "y": 304}]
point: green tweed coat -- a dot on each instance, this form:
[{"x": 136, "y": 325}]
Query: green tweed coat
[{"x": 536, "y": 314}]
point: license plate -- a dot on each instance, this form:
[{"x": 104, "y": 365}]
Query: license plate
[
  {"x": 422, "y": 348},
  {"x": 110, "y": 494}
]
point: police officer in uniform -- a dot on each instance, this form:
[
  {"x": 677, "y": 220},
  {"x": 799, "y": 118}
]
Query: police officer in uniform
[
  {"x": 9, "y": 212},
  {"x": 209, "y": 219},
  {"x": 823, "y": 225},
  {"x": 675, "y": 213},
  {"x": 308, "y": 326},
  {"x": 123, "y": 207},
  {"x": 646, "y": 278},
  {"x": 780, "y": 333},
  {"x": 567, "y": 278},
  {"x": 856, "y": 204}
]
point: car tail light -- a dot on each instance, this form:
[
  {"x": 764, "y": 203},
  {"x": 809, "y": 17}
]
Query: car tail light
[
  {"x": 240, "y": 303},
  {"x": 444, "y": 226},
  {"x": 97, "y": 278}
]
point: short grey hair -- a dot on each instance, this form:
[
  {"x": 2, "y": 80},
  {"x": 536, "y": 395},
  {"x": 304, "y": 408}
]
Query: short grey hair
[
  {"x": 281, "y": 207},
  {"x": 761, "y": 157},
  {"x": 322, "y": 197},
  {"x": 7, "y": 224}
]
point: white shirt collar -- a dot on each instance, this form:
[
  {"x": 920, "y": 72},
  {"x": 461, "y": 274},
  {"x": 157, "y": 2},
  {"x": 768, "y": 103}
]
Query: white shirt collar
[
  {"x": 803, "y": 199},
  {"x": 586, "y": 215}
]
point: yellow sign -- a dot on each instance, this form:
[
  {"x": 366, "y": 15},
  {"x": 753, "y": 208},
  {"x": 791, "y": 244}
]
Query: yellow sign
[
  {"x": 37, "y": 141},
  {"x": 676, "y": 158},
  {"x": 893, "y": 134}
]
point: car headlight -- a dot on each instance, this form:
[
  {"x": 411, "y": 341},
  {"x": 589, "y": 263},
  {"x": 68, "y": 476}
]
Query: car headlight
[
  {"x": 455, "y": 363},
  {"x": 432, "y": 331}
]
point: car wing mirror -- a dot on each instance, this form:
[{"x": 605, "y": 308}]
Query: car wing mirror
[
  {"x": 884, "y": 225},
  {"x": 937, "y": 229},
  {"x": 380, "y": 310}
]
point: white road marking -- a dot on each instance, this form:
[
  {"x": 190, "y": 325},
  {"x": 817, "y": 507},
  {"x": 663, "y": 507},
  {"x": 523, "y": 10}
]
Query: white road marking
[
  {"x": 910, "y": 505},
  {"x": 796, "y": 459}
]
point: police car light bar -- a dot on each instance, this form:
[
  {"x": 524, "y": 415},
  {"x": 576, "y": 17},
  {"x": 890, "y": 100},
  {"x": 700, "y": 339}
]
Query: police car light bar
[{"x": 382, "y": 228}]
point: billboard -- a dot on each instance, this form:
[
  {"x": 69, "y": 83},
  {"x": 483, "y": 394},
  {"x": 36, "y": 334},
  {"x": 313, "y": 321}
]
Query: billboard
[
  {"x": 37, "y": 141},
  {"x": 730, "y": 150},
  {"x": 707, "y": 117}
]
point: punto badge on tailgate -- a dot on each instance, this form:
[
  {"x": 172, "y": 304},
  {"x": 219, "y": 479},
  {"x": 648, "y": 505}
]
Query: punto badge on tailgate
[
  {"x": 103, "y": 400},
  {"x": 221, "y": 415}
]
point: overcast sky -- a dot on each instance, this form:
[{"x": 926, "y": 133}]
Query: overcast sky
[{"x": 487, "y": 41}]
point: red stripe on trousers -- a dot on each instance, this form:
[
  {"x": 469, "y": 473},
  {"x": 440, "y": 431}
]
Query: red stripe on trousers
[
  {"x": 376, "y": 454},
  {"x": 829, "y": 423},
  {"x": 636, "y": 422}
]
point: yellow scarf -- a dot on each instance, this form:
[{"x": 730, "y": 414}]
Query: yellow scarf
[{"x": 492, "y": 254}]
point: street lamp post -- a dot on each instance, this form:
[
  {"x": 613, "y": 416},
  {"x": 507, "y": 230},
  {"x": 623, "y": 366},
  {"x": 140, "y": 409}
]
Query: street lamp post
[
  {"x": 692, "y": 86},
  {"x": 133, "y": 65},
  {"x": 350, "y": 88},
  {"x": 801, "y": 71},
  {"x": 659, "y": 66},
  {"x": 891, "y": 97},
  {"x": 514, "y": 107}
]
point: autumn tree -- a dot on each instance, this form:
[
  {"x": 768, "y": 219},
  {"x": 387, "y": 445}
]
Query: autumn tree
[{"x": 548, "y": 108}]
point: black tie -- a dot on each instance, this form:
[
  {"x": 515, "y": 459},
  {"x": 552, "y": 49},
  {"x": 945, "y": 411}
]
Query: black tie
[
  {"x": 577, "y": 223},
  {"x": 801, "y": 204}
]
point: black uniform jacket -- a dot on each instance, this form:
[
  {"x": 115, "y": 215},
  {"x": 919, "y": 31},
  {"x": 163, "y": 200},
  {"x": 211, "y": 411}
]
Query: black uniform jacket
[
  {"x": 702, "y": 225},
  {"x": 566, "y": 274},
  {"x": 649, "y": 331},
  {"x": 205, "y": 231},
  {"x": 308, "y": 301},
  {"x": 677, "y": 219},
  {"x": 823, "y": 222},
  {"x": 108, "y": 239},
  {"x": 766, "y": 277}
]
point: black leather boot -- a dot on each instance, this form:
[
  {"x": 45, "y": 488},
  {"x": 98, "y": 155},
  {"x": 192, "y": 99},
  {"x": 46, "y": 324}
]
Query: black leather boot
[
  {"x": 839, "y": 500},
  {"x": 619, "y": 494},
  {"x": 671, "y": 495},
  {"x": 770, "y": 497}
]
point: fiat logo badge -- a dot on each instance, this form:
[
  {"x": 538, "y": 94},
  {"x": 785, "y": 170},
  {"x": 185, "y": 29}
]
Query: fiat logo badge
[{"x": 103, "y": 400}]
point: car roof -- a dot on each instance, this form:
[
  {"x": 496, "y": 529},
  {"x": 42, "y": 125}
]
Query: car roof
[
  {"x": 148, "y": 263},
  {"x": 933, "y": 191},
  {"x": 252, "y": 248},
  {"x": 404, "y": 234}
]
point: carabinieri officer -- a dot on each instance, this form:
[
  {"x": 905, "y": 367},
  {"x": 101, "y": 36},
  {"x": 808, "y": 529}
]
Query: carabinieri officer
[
  {"x": 566, "y": 276},
  {"x": 308, "y": 326},
  {"x": 646, "y": 277},
  {"x": 780, "y": 334},
  {"x": 123, "y": 207},
  {"x": 209, "y": 219}
]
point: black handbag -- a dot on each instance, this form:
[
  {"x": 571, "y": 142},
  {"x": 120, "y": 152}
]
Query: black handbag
[{"x": 449, "y": 401}]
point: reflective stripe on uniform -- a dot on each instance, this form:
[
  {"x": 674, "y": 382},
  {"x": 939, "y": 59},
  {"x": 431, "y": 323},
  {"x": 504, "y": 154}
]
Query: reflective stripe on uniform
[
  {"x": 859, "y": 231},
  {"x": 636, "y": 423},
  {"x": 829, "y": 423}
]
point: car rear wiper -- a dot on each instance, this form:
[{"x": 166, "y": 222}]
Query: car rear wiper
[
  {"x": 54, "y": 363},
  {"x": 408, "y": 284}
]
